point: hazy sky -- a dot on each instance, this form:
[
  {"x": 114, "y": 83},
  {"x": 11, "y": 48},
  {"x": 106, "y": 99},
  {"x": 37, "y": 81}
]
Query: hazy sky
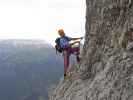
[{"x": 40, "y": 19}]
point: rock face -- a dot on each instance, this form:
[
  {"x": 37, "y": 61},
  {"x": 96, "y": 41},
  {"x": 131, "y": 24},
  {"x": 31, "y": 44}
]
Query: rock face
[{"x": 107, "y": 61}]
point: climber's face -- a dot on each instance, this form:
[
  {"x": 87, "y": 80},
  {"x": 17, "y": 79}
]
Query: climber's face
[{"x": 61, "y": 32}]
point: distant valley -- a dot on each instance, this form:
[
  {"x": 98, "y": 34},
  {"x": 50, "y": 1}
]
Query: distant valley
[{"x": 28, "y": 68}]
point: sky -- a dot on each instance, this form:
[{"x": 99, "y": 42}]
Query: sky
[{"x": 41, "y": 19}]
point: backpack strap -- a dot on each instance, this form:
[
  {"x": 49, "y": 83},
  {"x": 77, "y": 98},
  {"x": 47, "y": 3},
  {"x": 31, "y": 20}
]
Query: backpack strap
[{"x": 67, "y": 38}]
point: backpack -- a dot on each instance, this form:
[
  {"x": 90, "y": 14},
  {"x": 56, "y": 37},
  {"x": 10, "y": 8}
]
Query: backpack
[{"x": 58, "y": 48}]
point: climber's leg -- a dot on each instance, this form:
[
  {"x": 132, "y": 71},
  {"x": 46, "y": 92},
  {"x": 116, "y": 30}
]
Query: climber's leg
[
  {"x": 76, "y": 50},
  {"x": 66, "y": 62},
  {"x": 78, "y": 58}
]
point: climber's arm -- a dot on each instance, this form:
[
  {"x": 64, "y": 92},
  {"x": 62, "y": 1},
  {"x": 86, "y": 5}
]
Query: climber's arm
[
  {"x": 76, "y": 38},
  {"x": 74, "y": 43}
]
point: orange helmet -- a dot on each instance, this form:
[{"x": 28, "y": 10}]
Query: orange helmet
[{"x": 61, "y": 32}]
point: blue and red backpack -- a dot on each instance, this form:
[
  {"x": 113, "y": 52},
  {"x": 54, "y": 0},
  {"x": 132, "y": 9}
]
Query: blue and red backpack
[{"x": 58, "y": 47}]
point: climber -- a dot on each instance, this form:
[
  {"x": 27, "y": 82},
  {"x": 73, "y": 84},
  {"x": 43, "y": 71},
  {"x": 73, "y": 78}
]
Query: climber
[{"x": 64, "y": 46}]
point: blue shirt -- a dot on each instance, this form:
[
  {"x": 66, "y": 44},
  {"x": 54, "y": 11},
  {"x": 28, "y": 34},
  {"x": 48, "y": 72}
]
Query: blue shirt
[{"x": 64, "y": 41}]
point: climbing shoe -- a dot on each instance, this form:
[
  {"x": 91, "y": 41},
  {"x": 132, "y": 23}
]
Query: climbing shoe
[
  {"x": 67, "y": 77},
  {"x": 77, "y": 67}
]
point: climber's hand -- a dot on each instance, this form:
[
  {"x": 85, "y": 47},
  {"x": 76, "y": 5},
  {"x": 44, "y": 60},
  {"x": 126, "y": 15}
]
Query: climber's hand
[{"x": 81, "y": 38}]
